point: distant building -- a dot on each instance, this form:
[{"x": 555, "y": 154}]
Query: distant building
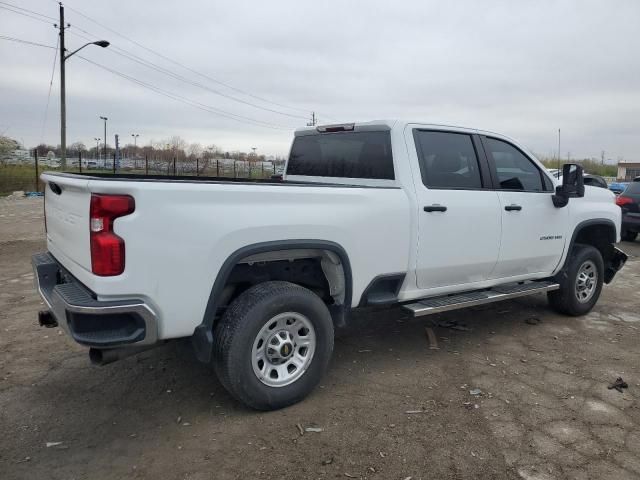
[
  {"x": 627, "y": 171},
  {"x": 18, "y": 156}
]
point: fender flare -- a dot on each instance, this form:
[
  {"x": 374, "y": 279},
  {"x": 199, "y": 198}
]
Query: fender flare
[
  {"x": 202, "y": 338},
  {"x": 578, "y": 228}
]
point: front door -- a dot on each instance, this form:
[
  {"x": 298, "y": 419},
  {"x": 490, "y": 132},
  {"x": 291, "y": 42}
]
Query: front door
[
  {"x": 459, "y": 217},
  {"x": 533, "y": 230}
]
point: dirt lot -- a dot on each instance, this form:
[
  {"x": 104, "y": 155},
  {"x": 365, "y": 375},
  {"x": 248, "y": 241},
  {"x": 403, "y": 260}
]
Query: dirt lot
[{"x": 545, "y": 411}]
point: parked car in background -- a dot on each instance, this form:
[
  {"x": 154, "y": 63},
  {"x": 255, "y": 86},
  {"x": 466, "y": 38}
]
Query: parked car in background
[
  {"x": 617, "y": 187},
  {"x": 589, "y": 179},
  {"x": 629, "y": 202},
  {"x": 595, "y": 181}
]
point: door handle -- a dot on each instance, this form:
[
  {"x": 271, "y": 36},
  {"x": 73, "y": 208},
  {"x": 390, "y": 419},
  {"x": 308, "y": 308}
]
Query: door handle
[
  {"x": 512, "y": 207},
  {"x": 435, "y": 208}
]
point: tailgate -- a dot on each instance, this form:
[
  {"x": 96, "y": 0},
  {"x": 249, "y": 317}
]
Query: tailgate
[{"x": 67, "y": 202}]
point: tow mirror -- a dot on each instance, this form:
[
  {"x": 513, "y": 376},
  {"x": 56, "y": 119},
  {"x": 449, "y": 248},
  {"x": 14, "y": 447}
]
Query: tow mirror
[{"x": 572, "y": 185}]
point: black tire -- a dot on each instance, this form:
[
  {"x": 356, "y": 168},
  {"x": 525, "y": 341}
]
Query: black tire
[
  {"x": 239, "y": 327},
  {"x": 629, "y": 236},
  {"x": 565, "y": 300}
]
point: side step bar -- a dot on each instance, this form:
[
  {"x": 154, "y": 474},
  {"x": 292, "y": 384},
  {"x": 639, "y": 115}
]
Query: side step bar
[{"x": 444, "y": 303}]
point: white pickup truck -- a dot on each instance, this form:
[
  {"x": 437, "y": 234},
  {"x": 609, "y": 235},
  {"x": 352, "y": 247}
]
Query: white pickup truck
[{"x": 259, "y": 273}]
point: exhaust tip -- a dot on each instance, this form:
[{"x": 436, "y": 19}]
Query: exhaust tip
[
  {"x": 46, "y": 319},
  {"x": 95, "y": 355}
]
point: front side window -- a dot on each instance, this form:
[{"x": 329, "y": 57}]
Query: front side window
[
  {"x": 343, "y": 155},
  {"x": 515, "y": 171},
  {"x": 447, "y": 160}
]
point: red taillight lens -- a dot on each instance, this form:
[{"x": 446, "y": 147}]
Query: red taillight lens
[
  {"x": 107, "y": 248},
  {"x": 620, "y": 200}
]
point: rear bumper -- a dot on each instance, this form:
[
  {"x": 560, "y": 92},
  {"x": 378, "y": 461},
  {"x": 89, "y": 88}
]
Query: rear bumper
[{"x": 91, "y": 322}]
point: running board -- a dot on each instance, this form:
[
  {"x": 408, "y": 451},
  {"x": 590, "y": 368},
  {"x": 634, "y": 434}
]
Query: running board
[{"x": 444, "y": 303}]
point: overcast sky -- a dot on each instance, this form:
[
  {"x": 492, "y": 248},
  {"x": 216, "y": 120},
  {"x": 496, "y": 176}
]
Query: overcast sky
[{"x": 523, "y": 69}]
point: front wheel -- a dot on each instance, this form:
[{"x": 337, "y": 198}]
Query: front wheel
[
  {"x": 273, "y": 345},
  {"x": 628, "y": 236},
  {"x": 580, "y": 282}
]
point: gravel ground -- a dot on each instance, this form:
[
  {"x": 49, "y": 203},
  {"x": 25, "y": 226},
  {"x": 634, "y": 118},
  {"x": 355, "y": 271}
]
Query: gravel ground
[{"x": 389, "y": 408}]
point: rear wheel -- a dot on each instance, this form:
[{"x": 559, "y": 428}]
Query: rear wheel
[
  {"x": 273, "y": 345},
  {"x": 580, "y": 282},
  {"x": 629, "y": 236}
]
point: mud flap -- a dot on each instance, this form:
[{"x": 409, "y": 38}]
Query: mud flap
[{"x": 614, "y": 264}]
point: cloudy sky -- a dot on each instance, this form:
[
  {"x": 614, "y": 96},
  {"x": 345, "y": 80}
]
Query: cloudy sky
[{"x": 255, "y": 70}]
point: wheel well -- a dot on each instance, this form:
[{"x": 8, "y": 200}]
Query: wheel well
[
  {"x": 321, "y": 271},
  {"x": 602, "y": 236},
  {"x": 267, "y": 259}
]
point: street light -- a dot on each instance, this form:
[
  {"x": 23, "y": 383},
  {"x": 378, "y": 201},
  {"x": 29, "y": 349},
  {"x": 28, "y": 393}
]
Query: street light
[
  {"x": 63, "y": 105},
  {"x": 135, "y": 148},
  {"x": 97, "y": 149},
  {"x": 105, "y": 138}
]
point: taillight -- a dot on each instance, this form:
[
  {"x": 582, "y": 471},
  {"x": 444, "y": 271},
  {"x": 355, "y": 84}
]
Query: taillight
[
  {"x": 107, "y": 248},
  {"x": 620, "y": 200}
]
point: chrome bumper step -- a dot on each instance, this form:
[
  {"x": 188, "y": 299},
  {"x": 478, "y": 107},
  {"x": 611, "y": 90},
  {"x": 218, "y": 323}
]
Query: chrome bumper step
[{"x": 444, "y": 303}]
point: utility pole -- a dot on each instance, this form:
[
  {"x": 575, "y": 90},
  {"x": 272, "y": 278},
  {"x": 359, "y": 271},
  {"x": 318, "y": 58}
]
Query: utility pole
[
  {"x": 558, "y": 153},
  {"x": 63, "y": 95},
  {"x": 602, "y": 157},
  {"x": 313, "y": 121},
  {"x": 63, "y": 89}
]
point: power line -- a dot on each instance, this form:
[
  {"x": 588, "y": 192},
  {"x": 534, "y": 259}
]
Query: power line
[
  {"x": 170, "y": 73},
  {"x": 25, "y": 14},
  {"x": 158, "y": 68},
  {"x": 26, "y": 42},
  {"x": 28, "y": 11},
  {"x": 185, "y": 67},
  {"x": 188, "y": 101},
  {"x": 46, "y": 109}
]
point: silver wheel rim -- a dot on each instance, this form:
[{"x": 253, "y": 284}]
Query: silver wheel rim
[
  {"x": 283, "y": 349},
  {"x": 586, "y": 281}
]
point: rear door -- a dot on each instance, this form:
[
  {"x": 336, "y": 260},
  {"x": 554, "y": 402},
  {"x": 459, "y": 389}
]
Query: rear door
[
  {"x": 458, "y": 214},
  {"x": 533, "y": 230}
]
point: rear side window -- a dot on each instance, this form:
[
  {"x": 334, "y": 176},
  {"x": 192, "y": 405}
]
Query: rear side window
[
  {"x": 447, "y": 160},
  {"x": 345, "y": 155},
  {"x": 515, "y": 171},
  {"x": 633, "y": 188}
]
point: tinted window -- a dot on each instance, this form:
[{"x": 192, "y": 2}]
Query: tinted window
[
  {"x": 595, "y": 182},
  {"x": 347, "y": 155},
  {"x": 515, "y": 170},
  {"x": 633, "y": 188},
  {"x": 447, "y": 160}
]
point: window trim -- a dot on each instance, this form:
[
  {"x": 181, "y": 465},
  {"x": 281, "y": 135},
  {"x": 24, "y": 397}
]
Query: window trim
[
  {"x": 494, "y": 171},
  {"x": 483, "y": 166}
]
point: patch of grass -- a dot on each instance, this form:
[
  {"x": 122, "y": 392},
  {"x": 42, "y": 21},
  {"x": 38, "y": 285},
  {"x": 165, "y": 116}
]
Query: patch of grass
[{"x": 17, "y": 177}]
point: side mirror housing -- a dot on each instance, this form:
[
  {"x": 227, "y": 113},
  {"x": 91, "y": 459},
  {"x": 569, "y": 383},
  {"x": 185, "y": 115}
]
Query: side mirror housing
[{"x": 572, "y": 185}]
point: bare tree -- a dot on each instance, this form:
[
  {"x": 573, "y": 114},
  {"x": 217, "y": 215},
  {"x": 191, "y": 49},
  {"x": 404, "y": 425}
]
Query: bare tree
[
  {"x": 194, "y": 151},
  {"x": 7, "y": 145}
]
